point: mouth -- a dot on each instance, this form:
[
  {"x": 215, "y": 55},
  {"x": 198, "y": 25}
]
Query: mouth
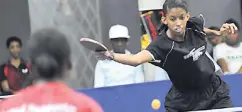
[{"x": 179, "y": 30}]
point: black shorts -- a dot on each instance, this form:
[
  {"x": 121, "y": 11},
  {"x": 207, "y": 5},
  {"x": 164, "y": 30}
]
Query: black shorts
[{"x": 215, "y": 96}]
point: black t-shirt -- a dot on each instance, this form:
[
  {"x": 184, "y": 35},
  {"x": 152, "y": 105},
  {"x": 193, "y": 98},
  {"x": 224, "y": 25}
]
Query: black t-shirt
[
  {"x": 187, "y": 63},
  {"x": 15, "y": 76}
]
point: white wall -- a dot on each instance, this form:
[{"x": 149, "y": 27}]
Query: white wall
[
  {"x": 150, "y": 4},
  {"x": 216, "y": 11},
  {"x": 14, "y": 21}
]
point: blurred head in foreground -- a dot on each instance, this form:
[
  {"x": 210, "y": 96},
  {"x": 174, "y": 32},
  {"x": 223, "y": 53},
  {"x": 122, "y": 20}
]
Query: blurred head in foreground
[{"x": 49, "y": 54}]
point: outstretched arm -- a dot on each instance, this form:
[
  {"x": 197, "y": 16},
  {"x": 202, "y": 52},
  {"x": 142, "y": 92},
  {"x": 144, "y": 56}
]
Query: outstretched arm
[
  {"x": 128, "y": 59},
  {"x": 224, "y": 30},
  {"x": 206, "y": 30}
]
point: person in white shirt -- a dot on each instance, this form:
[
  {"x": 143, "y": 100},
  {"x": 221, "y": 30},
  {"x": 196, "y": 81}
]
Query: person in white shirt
[
  {"x": 111, "y": 73},
  {"x": 229, "y": 54}
]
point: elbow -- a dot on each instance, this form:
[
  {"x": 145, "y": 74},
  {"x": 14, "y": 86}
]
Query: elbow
[{"x": 137, "y": 63}]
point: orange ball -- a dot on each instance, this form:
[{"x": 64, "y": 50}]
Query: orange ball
[{"x": 155, "y": 104}]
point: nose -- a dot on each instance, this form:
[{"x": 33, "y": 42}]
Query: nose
[
  {"x": 120, "y": 43},
  {"x": 178, "y": 22},
  {"x": 14, "y": 49}
]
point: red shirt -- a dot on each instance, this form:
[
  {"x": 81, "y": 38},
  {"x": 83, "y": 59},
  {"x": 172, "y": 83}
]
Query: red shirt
[{"x": 49, "y": 97}]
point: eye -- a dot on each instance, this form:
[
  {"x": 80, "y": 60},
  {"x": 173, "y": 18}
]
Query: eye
[
  {"x": 182, "y": 17},
  {"x": 11, "y": 47},
  {"x": 173, "y": 19},
  {"x": 18, "y": 46}
]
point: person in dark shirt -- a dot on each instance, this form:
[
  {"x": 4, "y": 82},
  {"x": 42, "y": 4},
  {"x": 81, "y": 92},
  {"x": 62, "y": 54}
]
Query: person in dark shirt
[
  {"x": 181, "y": 51},
  {"x": 13, "y": 72}
]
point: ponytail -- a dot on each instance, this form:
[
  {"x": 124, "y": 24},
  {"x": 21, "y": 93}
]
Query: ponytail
[{"x": 46, "y": 66}]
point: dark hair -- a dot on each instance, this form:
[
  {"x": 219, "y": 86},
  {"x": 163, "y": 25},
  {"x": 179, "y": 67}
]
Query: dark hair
[
  {"x": 49, "y": 52},
  {"x": 214, "y": 28},
  {"x": 13, "y": 39},
  {"x": 169, "y": 4},
  {"x": 231, "y": 20}
]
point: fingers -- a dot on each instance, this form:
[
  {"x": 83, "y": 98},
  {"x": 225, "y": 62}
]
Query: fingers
[
  {"x": 100, "y": 58},
  {"x": 235, "y": 28},
  {"x": 101, "y": 55},
  {"x": 225, "y": 26},
  {"x": 230, "y": 28}
]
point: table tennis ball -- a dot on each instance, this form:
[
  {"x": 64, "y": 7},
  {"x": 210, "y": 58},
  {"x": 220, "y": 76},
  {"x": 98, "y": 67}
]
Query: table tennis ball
[{"x": 155, "y": 104}]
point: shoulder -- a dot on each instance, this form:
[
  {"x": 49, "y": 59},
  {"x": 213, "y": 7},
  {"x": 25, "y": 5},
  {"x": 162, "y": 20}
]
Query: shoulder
[
  {"x": 197, "y": 20},
  {"x": 101, "y": 63},
  {"x": 220, "y": 50},
  {"x": 160, "y": 40},
  {"x": 196, "y": 23},
  {"x": 82, "y": 96},
  {"x": 2, "y": 67},
  {"x": 240, "y": 44},
  {"x": 220, "y": 46},
  {"x": 3, "y": 64},
  {"x": 86, "y": 102}
]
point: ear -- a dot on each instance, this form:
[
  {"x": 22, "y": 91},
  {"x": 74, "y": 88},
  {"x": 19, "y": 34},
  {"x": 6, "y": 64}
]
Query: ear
[
  {"x": 163, "y": 20},
  {"x": 127, "y": 41},
  {"x": 188, "y": 16}
]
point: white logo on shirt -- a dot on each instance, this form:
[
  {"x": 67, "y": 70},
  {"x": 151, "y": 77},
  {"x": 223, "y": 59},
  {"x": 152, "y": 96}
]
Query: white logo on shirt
[
  {"x": 25, "y": 70},
  {"x": 195, "y": 53}
]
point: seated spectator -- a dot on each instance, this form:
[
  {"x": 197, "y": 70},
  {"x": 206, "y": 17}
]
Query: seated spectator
[
  {"x": 229, "y": 54},
  {"x": 50, "y": 55},
  {"x": 213, "y": 40},
  {"x": 111, "y": 73},
  {"x": 13, "y": 72}
]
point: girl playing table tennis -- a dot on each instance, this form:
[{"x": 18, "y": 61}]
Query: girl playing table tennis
[
  {"x": 49, "y": 54},
  {"x": 181, "y": 51}
]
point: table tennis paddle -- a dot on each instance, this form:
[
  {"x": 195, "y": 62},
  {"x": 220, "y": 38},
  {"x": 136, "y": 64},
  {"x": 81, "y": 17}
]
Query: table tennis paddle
[{"x": 92, "y": 45}]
